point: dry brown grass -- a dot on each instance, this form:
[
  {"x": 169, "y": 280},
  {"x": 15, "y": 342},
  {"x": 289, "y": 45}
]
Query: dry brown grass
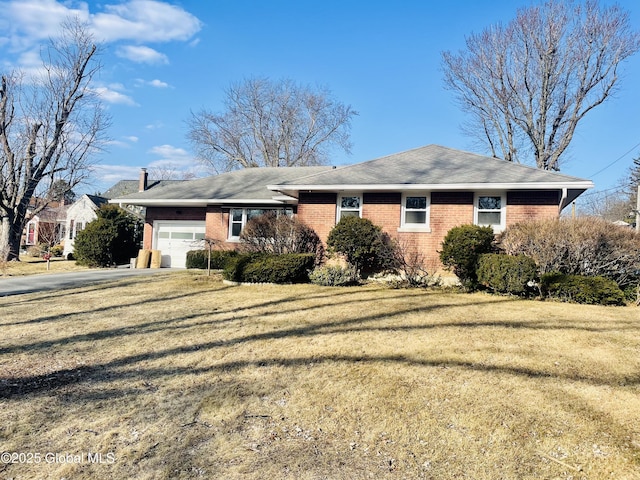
[
  {"x": 35, "y": 265},
  {"x": 180, "y": 376}
]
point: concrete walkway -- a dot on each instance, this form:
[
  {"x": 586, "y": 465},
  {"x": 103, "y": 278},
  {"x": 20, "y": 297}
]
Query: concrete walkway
[{"x": 60, "y": 281}]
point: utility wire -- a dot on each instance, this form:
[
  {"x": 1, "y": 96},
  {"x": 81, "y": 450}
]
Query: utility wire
[{"x": 616, "y": 160}]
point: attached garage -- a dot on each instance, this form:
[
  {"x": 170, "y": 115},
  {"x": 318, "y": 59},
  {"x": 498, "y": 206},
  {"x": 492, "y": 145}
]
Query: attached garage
[{"x": 175, "y": 238}]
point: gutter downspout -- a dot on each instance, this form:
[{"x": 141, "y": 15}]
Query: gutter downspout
[{"x": 563, "y": 199}]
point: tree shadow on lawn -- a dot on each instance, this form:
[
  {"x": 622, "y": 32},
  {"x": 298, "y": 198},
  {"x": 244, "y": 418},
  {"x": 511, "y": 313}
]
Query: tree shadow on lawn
[
  {"x": 127, "y": 368},
  {"x": 171, "y": 324},
  {"x": 185, "y": 322}
]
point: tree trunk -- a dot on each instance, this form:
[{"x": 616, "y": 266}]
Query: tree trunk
[{"x": 10, "y": 240}]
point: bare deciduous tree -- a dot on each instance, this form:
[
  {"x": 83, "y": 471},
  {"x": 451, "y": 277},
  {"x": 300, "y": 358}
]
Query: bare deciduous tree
[
  {"x": 51, "y": 124},
  {"x": 271, "y": 124},
  {"x": 526, "y": 85}
]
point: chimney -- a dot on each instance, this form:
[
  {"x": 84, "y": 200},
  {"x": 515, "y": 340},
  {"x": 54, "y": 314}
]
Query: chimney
[{"x": 142, "y": 183}]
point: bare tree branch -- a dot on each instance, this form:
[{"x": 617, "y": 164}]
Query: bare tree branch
[
  {"x": 51, "y": 126},
  {"x": 528, "y": 84},
  {"x": 271, "y": 124}
]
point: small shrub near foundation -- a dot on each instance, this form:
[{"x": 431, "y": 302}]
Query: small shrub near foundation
[
  {"x": 219, "y": 259},
  {"x": 265, "y": 268},
  {"x": 512, "y": 274},
  {"x": 334, "y": 276},
  {"x": 581, "y": 289}
]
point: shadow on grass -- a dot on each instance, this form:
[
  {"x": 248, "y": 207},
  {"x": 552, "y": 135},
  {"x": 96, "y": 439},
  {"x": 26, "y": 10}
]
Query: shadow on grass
[{"x": 129, "y": 367}]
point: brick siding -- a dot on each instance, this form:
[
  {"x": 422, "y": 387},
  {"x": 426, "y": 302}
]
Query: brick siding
[{"x": 318, "y": 210}]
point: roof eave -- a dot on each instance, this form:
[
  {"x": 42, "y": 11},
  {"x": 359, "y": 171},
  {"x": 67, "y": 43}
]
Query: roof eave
[
  {"x": 292, "y": 189},
  {"x": 200, "y": 202}
]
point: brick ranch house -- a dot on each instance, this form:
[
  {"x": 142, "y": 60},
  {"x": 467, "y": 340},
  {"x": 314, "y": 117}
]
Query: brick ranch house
[{"x": 416, "y": 196}]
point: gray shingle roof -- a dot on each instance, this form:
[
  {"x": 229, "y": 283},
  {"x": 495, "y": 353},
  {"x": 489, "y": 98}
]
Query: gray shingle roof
[
  {"x": 127, "y": 187},
  {"x": 432, "y": 165},
  {"x": 247, "y": 184}
]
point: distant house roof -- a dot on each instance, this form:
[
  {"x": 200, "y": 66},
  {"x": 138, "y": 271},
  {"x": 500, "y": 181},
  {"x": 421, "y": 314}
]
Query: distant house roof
[
  {"x": 98, "y": 201},
  {"x": 239, "y": 186},
  {"x": 427, "y": 168},
  {"x": 127, "y": 187}
]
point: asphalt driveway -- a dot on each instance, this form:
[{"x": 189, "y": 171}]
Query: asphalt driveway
[{"x": 60, "y": 281}]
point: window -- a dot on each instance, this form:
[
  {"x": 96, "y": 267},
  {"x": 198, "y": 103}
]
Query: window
[
  {"x": 31, "y": 233},
  {"x": 238, "y": 218},
  {"x": 349, "y": 206},
  {"x": 489, "y": 211},
  {"x": 415, "y": 211},
  {"x": 79, "y": 227}
]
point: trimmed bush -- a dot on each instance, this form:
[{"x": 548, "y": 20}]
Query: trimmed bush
[
  {"x": 56, "y": 250},
  {"x": 334, "y": 276},
  {"x": 507, "y": 273},
  {"x": 265, "y": 268},
  {"x": 219, "y": 258},
  {"x": 363, "y": 244},
  {"x": 461, "y": 248},
  {"x": 581, "y": 289}
]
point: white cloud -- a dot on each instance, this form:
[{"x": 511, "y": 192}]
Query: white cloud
[
  {"x": 145, "y": 21},
  {"x": 158, "y": 84},
  {"x": 28, "y": 21},
  {"x": 152, "y": 83},
  {"x": 171, "y": 156},
  {"x": 112, "y": 96},
  {"x": 142, "y": 54},
  {"x": 125, "y": 142},
  {"x": 25, "y": 24},
  {"x": 111, "y": 174}
]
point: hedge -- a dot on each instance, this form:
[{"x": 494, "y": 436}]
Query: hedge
[
  {"x": 507, "y": 273},
  {"x": 581, "y": 289},
  {"x": 270, "y": 268},
  {"x": 219, "y": 258}
]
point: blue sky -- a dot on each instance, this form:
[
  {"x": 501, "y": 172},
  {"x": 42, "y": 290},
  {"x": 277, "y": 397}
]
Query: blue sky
[{"x": 164, "y": 59}]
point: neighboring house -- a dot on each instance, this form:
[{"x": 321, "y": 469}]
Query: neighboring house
[
  {"x": 46, "y": 227},
  {"x": 416, "y": 196},
  {"x": 79, "y": 214},
  {"x": 83, "y": 210}
]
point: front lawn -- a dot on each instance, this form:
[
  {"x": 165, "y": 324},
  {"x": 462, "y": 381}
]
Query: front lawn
[
  {"x": 35, "y": 265},
  {"x": 181, "y": 376}
]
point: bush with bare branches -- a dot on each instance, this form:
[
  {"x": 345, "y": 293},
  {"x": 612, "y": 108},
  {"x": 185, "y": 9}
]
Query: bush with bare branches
[
  {"x": 278, "y": 233},
  {"x": 582, "y": 246}
]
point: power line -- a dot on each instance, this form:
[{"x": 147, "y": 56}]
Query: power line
[{"x": 616, "y": 160}]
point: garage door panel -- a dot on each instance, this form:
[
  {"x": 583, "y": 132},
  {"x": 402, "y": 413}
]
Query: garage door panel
[{"x": 175, "y": 239}]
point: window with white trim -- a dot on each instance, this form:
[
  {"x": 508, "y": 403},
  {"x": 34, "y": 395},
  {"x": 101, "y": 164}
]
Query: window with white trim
[
  {"x": 490, "y": 211},
  {"x": 349, "y": 205},
  {"x": 415, "y": 211},
  {"x": 238, "y": 218}
]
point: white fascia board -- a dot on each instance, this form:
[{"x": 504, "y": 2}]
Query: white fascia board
[
  {"x": 432, "y": 187},
  {"x": 181, "y": 202}
]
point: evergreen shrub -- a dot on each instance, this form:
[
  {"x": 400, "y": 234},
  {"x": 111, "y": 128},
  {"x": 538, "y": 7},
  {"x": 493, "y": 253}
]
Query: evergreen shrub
[
  {"x": 269, "y": 268},
  {"x": 512, "y": 274},
  {"x": 334, "y": 275},
  {"x": 219, "y": 258},
  {"x": 581, "y": 289},
  {"x": 461, "y": 248}
]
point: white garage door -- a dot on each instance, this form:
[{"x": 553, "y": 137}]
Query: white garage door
[{"x": 175, "y": 239}]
